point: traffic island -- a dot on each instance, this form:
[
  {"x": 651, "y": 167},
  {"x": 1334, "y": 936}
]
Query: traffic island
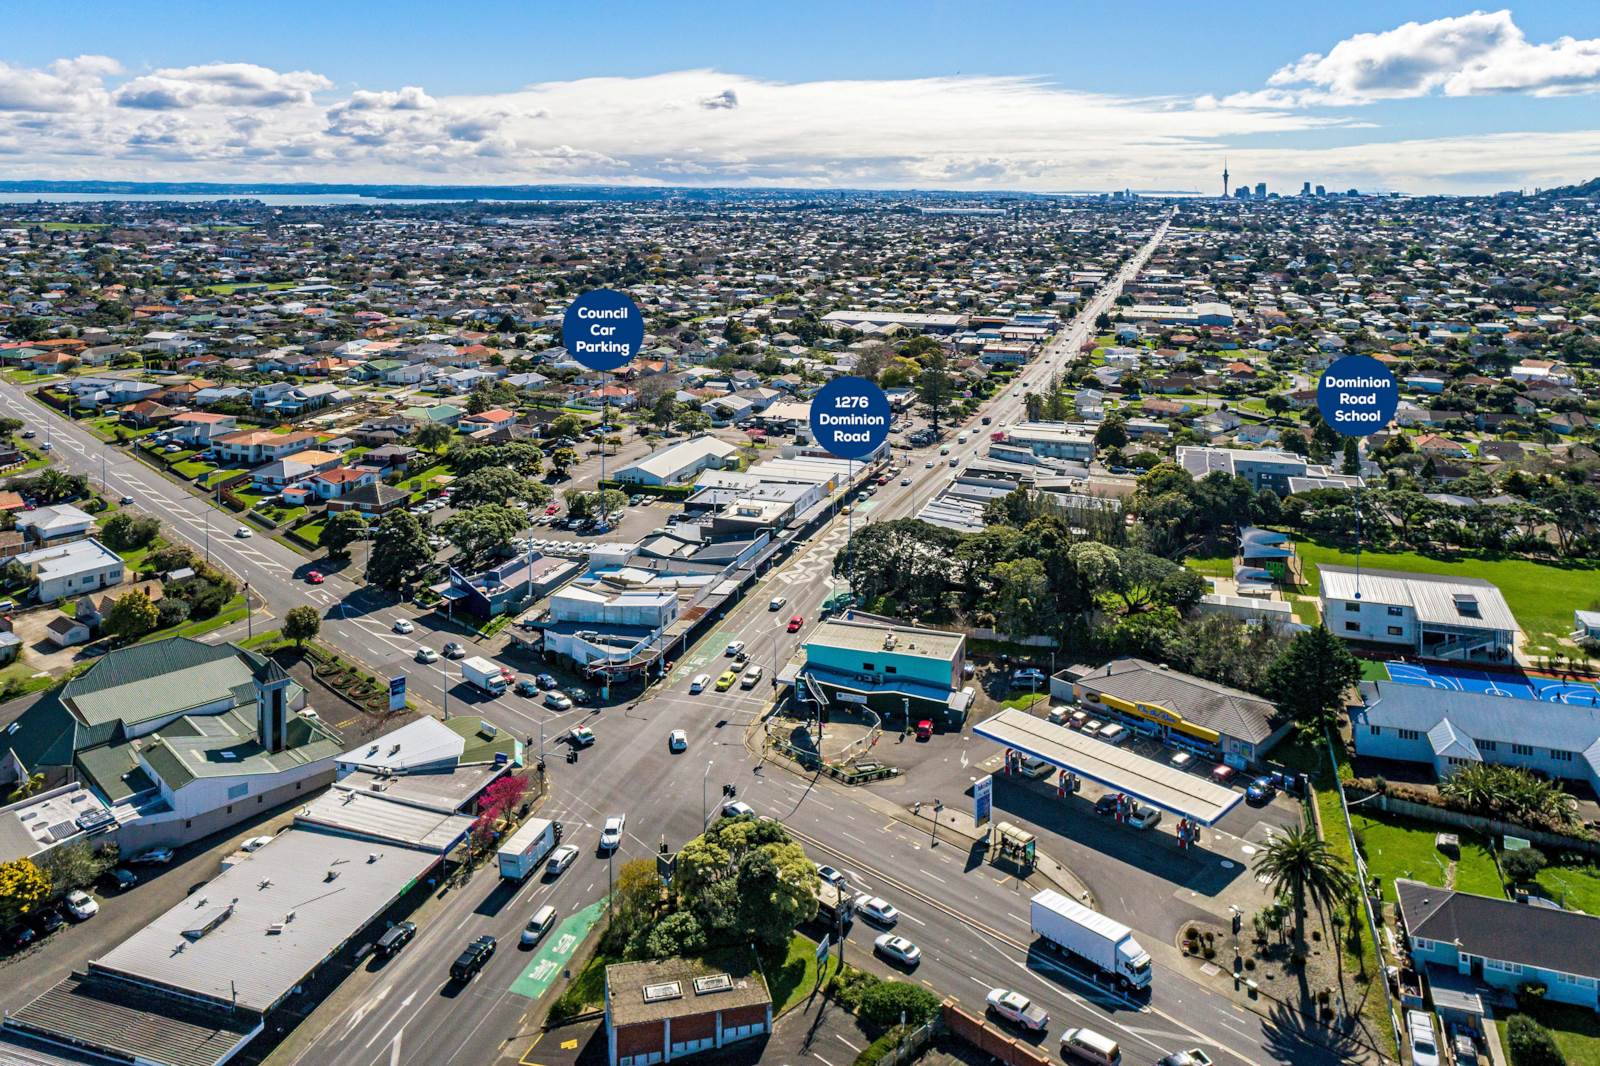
[{"x": 1263, "y": 970}]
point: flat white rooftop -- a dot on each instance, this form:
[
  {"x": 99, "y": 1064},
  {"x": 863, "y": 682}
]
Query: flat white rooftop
[{"x": 1154, "y": 782}]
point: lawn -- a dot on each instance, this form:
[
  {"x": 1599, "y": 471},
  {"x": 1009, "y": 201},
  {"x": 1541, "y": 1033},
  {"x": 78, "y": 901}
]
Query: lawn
[
  {"x": 791, "y": 973},
  {"x": 1211, "y": 565},
  {"x": 1541, "y": 595},
  {"x": 1574, "y": 881},
  {"x": 193, "y": 468},
  {"x": 1025, "y": 701},
  {"x": 1577, "y": 1031},
  {"x": 1403, "y": 847}
]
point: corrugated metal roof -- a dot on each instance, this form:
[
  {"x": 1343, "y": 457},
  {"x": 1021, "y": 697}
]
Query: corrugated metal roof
[
  {"x": 1437, "y": 599},
  {"x": 1478, "y": 715}
]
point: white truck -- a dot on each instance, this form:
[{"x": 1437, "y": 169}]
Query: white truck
[
  {"x": 484, "y": 675},
  {"x": 524, "y": 849},
  {"x": 1085, "y": 934}
]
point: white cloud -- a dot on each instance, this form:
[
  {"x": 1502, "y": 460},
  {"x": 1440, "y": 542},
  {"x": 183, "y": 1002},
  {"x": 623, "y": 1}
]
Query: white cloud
[
  {"x": 1466, "y": 55},
  {"x": 82, "y": 118},
  {"x": 68, "y": 85},
  {"x": 220, "y": 84}
]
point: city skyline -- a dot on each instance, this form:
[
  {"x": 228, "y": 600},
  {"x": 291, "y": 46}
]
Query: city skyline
[{"x": 1428, "y": 100}]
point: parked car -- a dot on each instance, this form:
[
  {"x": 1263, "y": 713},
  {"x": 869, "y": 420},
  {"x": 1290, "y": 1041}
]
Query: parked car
[
  {"x": 1143, "y": 817},
  {"x": 153, "y": 857},
  {"x": 81, "y": 905},
  {"x": 1420, "y": 1035},
  {"x": 611, "y": 832},
  {"x": 1223, "y": 774},
  {"x": 897, "y": 949},
  {"x": 558, "y": 700},
  {"x": 1106, "y": 804},
  {"x": 526, "y": 686},
  {"x": 877, "y": 909},
  {"x": 677, "y": 741},
  {"x": 1027, "y": 676},
  {"x": 472, "y": 959},
  {"x": 126, "y": 501},
  {"x": 1182, "y": 760},
  {"x": 1261, "y": 790},
  {"x": 122, "y": 878},
  {"x": 544, "y": 681},
  {"x": 394, "y": 938}
]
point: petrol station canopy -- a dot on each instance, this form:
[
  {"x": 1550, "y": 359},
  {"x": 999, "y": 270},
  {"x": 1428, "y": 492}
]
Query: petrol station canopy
[{"x": 1153, "y": 782}]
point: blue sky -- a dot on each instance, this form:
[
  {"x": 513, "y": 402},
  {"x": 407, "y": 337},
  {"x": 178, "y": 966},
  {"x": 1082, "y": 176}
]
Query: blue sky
[{"x": 1036, "y": 95}]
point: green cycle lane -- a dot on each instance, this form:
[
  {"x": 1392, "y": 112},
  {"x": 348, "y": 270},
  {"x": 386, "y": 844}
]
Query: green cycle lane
[
  {"x": 708, "y": 649},
  {"x": 557, "y": 952}
]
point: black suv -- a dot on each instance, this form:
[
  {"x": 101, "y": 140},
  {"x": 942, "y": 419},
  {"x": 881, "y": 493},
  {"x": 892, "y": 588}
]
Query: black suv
[
  {"x": 395, "y": 937},
  {"x": 472, "y": 959}
]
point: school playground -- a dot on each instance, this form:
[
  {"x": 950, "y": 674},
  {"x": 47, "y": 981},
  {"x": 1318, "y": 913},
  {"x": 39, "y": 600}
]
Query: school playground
[{"x": 1495, "y": 683}]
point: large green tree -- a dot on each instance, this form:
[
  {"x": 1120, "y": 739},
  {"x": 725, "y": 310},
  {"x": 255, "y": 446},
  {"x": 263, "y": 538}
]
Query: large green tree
[
  {"x": 747, "y": 876},
  {"x": 936, "y": 389},
  {"x": 399, "y": 550},
  {"x": 340, "y": 531},
  {"x": 132, "y": 615},
  {"x": 478, "y": 530},
  {"x": 1309, "y": 680}
]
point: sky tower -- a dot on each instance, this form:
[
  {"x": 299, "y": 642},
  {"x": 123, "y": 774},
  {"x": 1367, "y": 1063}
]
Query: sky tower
[{"x": 1224, "y": 178}]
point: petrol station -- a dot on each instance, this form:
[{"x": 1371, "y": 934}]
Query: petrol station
[{"x": 1195, "y": 801}]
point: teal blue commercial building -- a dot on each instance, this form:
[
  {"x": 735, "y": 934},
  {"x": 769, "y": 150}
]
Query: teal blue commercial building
[{"x": 897, "y": 670}]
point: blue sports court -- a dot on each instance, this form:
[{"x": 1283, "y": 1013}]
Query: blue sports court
[{"x": 1514, "y": 686}]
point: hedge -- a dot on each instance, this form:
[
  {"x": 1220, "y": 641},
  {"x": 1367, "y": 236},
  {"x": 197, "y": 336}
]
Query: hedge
[{"x": 665, "y": 492}]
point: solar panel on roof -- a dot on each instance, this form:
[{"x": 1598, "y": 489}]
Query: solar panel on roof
[{"x": 62, "y": 830}]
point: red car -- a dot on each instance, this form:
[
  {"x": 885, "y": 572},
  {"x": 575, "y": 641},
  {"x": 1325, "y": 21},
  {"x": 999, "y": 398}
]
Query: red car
[
  {"x": 552, "y": 508},
  {"x": 795, "y": 623},
  {"x": 314, "y": 577},
  {"x": 925, "y": 729}
]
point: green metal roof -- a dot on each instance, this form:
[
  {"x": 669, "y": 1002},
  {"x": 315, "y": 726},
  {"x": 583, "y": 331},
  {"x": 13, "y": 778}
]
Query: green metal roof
[
  {"x": 114, "y": 771},
  {"x": 480, "y": 747},
  {"x": 225, "y": 745},
  {"x": 159, "y": 679}
]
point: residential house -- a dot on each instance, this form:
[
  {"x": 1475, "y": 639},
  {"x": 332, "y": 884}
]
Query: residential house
[
  {"x": 71, "y": 569},
  {"x": 55, "y": 523}
]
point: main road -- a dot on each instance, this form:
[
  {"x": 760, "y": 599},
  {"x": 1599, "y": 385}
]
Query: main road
[{"x": 970, "y": 922}]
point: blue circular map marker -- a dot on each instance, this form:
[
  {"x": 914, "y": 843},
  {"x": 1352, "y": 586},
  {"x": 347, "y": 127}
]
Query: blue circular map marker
[
  {"x": 1357, "y": 396},
  {"x": 603, "y": 329},
  {"x": 850, "y": 417}
]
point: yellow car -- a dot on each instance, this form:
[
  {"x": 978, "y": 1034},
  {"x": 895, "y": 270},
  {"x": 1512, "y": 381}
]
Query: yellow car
[{"x": 725, "y": 682}]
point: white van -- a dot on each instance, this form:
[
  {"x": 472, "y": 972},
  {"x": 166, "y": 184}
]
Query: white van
[
  {"x": 539, "y": 925},
  {"x": 1090, "y": 1046}
]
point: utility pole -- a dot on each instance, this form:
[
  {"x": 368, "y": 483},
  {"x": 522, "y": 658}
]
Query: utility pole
[
  {"x": 249, "y": 618},
  {"x": 703, "y": 780}
]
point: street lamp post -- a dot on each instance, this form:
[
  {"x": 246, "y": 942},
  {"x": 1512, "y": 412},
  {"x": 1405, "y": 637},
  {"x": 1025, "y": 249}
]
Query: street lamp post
[{"x": 703, "y": 780}]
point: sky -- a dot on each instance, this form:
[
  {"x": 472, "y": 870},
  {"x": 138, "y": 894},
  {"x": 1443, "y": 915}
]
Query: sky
[{"x": 1043, "y": 97}]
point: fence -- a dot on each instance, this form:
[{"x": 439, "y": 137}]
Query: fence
[
  {"x": 990, "y": 1041},
  {"x": 1479, "y": 824},
  {"x": 911, "y": 1044}
]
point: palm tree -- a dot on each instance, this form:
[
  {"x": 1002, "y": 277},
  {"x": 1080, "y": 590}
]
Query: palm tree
[
  {"x": 1303, "y": 866},
  {"x": 24, "y": 789}
]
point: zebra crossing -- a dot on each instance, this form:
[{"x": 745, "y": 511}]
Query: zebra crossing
[{"x": 817, "y": 560}]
